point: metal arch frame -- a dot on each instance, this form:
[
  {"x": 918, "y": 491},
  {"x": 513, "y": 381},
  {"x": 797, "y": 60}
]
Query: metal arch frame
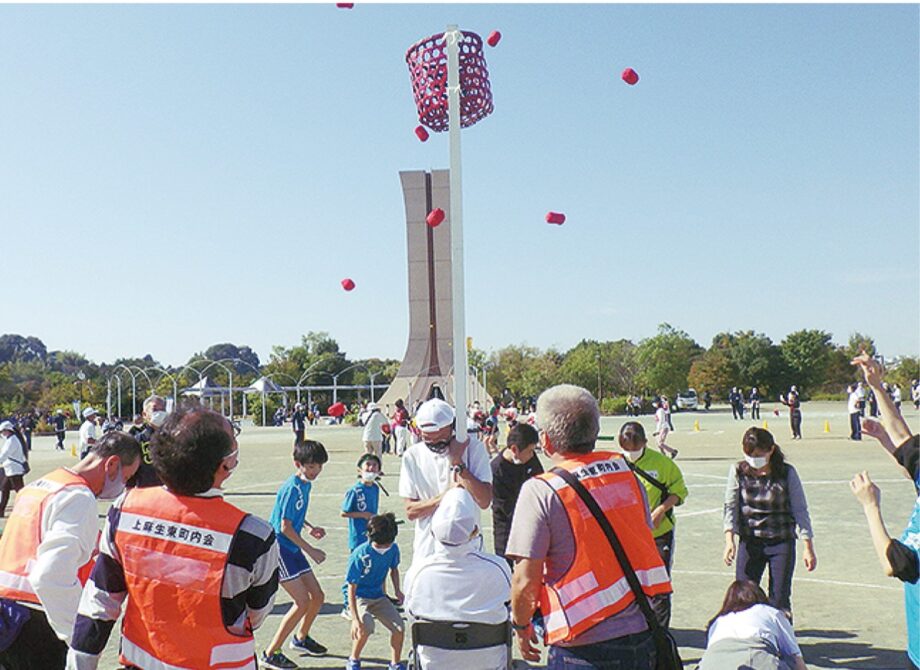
[
  {"x": 211, "y": 364},
  {"x": 116, "y": 373},
  {"x": 335, "y": 380},
  {"x": 164, "y": 373},
  {"x": 304, "y": 374}
]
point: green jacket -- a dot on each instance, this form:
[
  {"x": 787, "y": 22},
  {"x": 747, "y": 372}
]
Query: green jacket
[{"x": 665, "y": 471}]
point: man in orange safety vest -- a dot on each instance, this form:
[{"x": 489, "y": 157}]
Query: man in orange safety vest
[
  {"x": 565, "y": 563},
  {"x": 46, "y": 550}
]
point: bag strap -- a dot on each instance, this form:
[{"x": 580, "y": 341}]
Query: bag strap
[
  {"x": 665, "y": 492},
  {"x": 604, "y": 522}
]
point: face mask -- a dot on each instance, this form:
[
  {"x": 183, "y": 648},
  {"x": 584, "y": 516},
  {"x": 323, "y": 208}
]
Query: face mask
[
  {"x": 158, "y": 418},
  {"x": 379, "y": 550},
  {"x": 112, "y": 488},
  {"x": 441, "y": 446},
  {"x": 633, "y": 456},
  {"x": 368, "y": 477},
  {"x": 757, "y": 462},
  {"x": 228, "y": 457},
  {"x": 516, "y": 460}
]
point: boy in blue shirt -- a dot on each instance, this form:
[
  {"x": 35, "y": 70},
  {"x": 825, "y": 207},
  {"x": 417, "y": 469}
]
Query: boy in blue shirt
[
  {"x": 361, "y": 503},
  {"x": 288, "y": 518},
  {"x": 367, "y": 572}
]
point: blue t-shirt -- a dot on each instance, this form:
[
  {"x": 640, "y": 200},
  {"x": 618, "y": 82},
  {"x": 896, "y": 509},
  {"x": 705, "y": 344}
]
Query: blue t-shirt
[
  {"x": 911, "y": 538},
  {"x": 291, "y": 503},
  {"x": 360, "y": 498},
  {"x": 368, "y": 568}
]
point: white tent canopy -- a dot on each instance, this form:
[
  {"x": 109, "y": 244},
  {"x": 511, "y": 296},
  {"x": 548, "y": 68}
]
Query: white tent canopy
[
  {"x": 263, "y": 385},
  {"x": 204, "y": 388}
]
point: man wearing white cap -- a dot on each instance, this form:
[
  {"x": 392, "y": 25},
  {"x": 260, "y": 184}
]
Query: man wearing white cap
[
  {"x": 436, "y": 464},
  {"x": 373, "y": 429},
  {"x": 438, "y": 588},
  {"x": 87, "y": 431},
  {"x": 12, "y": 462}
]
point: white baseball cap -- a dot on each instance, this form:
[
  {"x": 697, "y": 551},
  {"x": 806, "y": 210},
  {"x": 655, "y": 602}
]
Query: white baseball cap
[
  {"x": 371, "y": 406},
  {"x": 434, "y": 414},
  {"x": 456, "y": 518},
  {"x": 88, "y": 412},
  {"x": 6, "y": 425}
]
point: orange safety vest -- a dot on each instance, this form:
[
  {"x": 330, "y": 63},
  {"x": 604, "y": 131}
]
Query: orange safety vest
[
  {"x": 174, "y": 553},
  {"x": 23, "y": 535},
  {"x": 594, "y": 587}
]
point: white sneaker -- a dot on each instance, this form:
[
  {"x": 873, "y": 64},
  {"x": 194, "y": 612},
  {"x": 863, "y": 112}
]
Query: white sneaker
[{"x": 345, "y": 614}]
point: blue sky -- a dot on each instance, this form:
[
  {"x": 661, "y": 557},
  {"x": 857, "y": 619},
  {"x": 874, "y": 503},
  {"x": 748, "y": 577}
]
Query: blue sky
[{"x": 176, "y": 176}]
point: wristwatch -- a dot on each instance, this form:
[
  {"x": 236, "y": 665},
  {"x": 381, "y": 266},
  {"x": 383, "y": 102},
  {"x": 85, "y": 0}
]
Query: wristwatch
[
  {"x": 458, "y": 468},
  {"x": 520, "y": 628}
]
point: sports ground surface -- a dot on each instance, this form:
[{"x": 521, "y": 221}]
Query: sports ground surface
[{"x": 847, "y": 613}]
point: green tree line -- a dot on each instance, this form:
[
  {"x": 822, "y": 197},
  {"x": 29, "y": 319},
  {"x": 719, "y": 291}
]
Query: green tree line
[{"x": 667, "y": 362}]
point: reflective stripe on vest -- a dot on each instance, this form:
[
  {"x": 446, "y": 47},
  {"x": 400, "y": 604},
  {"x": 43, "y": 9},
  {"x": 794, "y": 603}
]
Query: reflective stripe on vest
[
  {"x": 174, "y": 553},
  {"x": 594, "y": 587},
  {"x": 23, "y": 534},
  {"x": 220, "y": 655}
]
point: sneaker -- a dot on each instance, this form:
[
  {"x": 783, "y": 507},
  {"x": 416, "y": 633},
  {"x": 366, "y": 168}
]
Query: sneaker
[
  {"x": 397, "y": 666},
  {"x": 278, "y": 661},
  {"x": 353, "y": 664},
  {"x": 345, "y": 614},
  {"x": 308, "y": 644}
]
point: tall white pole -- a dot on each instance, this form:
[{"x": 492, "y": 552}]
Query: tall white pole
[{"x": 453, "y": 37}]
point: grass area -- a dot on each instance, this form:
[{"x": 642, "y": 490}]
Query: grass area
[{"x": 847, "y": 613}]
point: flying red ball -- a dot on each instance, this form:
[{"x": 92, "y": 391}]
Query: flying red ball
[
  {"x": 555, "y": 217},
  {"x": 435, "y": 217},
  {"x": 421, "y": 133},
  {"x": 494, "y": 38},
  {"x": 348, "y": 284},
  {"x": 630, "y": 76}
]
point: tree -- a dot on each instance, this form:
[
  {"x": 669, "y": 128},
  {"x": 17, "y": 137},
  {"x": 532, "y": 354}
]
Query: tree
[
  {"x": 523, "y": 370},
  {"x": 665, "y": 360},
  {"x": 605, "y": 368},
  {"x": 218, "y": 352},
  {"x": 807, "y": 354},
  {"x": 859, "y": 343},
  {"x": 713, "y": 372},
  {"x": 19, "y": 349},
  {"x": 757, "y": 361}
]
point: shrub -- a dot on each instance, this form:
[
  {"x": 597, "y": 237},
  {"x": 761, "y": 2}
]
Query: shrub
[{"x": 615, "y": 405}]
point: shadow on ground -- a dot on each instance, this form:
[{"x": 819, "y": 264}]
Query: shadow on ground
[{"x": 836, "y": 653}]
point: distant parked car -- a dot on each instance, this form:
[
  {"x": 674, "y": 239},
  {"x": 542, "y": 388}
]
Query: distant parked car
[{"x": 687, "y": 400}]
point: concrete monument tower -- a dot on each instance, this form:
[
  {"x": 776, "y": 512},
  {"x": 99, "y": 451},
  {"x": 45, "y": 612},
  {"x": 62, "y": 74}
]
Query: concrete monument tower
[{"x": 428, "y": 361}]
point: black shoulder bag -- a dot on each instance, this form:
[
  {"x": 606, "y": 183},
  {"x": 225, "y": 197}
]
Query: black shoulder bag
[
  {"x": 665, "y": 492},
  {"x": 667, "y": 654}
]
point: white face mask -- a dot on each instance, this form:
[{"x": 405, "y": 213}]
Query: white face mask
[
  {"x": 112, "y": 488},
  {"x": 379, "y": 550},
  {"x": 757, "y": 462},
  {"x": 158, "y": 418},
  {"x": 633, "y": 456},
  {"x": 368, "y": 477},
  {"x": 233, "y": 453}
]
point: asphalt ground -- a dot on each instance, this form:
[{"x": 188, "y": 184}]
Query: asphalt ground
[{"x": 847, "y": 613}]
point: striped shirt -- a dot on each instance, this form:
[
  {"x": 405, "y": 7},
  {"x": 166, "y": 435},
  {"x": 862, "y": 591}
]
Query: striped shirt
[{"x": 247, "y": 591}]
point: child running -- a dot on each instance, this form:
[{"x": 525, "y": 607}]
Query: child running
[
  {"x": 361, "y": 503},
  {"x": 289, "y": 517},
  {"x": 366, "y": 578}
]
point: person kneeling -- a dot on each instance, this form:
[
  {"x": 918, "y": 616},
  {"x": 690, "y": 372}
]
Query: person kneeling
[
  {"x": 367, "y": 572},
  {"x": 750, "y": 633}
]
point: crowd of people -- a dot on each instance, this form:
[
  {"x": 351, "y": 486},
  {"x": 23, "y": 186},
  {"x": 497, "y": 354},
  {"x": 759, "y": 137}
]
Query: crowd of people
[{"x": 583, "y": 539}]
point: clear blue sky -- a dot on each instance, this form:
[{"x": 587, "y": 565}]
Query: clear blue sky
[{"x": 176, "y": 176}]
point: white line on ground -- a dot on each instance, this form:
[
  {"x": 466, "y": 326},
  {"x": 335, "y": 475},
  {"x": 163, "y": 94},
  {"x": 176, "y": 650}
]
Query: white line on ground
[
  {"x": 699, "y": 512},
  {"x": 812, "y": 580}
]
